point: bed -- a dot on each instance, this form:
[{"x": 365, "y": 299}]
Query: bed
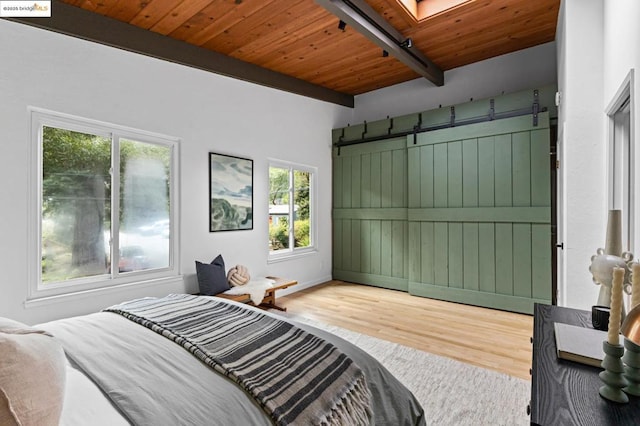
[{"x": 126, "y": 366}]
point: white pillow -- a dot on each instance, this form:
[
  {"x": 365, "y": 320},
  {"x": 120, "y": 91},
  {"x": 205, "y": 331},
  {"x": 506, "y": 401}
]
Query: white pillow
[{"x": 32, "y": 376}]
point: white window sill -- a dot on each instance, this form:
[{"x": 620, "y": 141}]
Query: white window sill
[
  {"x": 282, "y": 257},
  {"x": 36, "y": 302}
]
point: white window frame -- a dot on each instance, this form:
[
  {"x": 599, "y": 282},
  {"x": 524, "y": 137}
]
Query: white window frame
[
  {"x": 37, "y": 292},
  {"x": 292, "y": 251},
  {"x": 621, "y": 154}
]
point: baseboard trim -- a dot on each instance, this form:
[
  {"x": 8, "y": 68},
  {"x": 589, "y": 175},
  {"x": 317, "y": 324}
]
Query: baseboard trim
[{"x": 303, "y": 285}]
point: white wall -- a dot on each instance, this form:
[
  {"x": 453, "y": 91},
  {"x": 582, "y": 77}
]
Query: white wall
[
  {"x": 521, "y": 70},
  {"x": 583, "y": 151},
  {"x": 622, "y": 53},
  {"x": 208, "y": 112},
  {"x": 598, "y": 44}
]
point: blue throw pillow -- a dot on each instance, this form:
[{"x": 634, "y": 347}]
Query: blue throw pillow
[{"x": 212, "y": 278}]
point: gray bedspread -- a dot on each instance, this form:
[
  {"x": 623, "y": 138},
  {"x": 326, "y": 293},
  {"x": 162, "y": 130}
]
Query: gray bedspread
[{"x": 154, "y": 381}]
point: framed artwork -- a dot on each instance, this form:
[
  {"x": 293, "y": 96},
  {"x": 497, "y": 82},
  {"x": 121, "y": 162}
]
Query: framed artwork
[{"x": 230, "y": 193}]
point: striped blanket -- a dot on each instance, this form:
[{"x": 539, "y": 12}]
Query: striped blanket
[{"x": 296, "y": 377}]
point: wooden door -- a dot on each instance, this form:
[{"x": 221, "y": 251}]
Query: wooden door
[
  {"x": 370, "y": 214},
  {"x": 479, "y": 216}
]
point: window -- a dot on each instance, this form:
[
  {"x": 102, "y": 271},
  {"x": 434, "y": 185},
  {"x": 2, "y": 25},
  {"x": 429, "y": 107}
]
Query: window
[
  {"x": 98, "y": 228},
  {"x": 291, "y": 209},
  {"x": 621, "y": 167},
  {"x": 621, "y": 170},
  {"x": 420, "y": 10}
]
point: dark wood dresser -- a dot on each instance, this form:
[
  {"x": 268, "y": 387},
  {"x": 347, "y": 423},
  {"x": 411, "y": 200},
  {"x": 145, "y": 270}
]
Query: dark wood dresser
[{"x": 565, "y": 392}]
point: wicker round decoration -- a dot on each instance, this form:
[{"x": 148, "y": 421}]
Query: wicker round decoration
[{"x": 238, "y": 275}]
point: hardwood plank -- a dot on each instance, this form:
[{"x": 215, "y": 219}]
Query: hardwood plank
[
  {"x": 220, "y": 16},
  {"x": 358, "y": 72},
  {"x": 152, "y": 13},
  {"x": 255, "y": 24},
  {"x": 309, "y": 23},
  {"x": 474, "y": 23},
  {"x": 122, "y": 10},
  {"x": 316, "y": 44},
  {"x": 394, "y": 12},
  {"x": 486, "y": 338},
  {"x": 470, "y": 28},
  {"x": 180, "y": 13},
  {"x": 362, "y": 77}
]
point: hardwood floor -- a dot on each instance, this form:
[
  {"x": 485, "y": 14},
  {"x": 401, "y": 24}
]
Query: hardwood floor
[{"x": 483, "y": 337}]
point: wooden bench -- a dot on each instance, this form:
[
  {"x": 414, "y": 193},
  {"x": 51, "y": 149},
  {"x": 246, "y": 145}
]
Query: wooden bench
[{"x": 269, "y": 301}]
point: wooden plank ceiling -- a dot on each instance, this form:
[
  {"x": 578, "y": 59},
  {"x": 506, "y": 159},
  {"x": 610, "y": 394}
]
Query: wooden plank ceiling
[{"x": 299, "y": 38}]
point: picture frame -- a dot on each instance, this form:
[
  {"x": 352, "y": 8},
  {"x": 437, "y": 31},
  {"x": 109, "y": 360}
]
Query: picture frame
[{"x": 230, "y": 193}]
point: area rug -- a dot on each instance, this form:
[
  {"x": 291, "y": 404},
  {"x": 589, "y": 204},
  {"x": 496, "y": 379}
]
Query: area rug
[{"x": 451, "y": 392}]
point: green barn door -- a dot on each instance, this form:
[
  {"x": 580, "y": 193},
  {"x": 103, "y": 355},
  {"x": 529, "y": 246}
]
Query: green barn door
[
  {"x": 370, "y": 213},
  {"x": 479, "y": 216}
]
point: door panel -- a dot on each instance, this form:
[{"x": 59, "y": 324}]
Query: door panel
[
  {"x": 460, "y": 214},
  {"x": 482, "y": 207},
  {"x": 370, "y": 214}
]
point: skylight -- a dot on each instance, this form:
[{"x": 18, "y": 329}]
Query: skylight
[{"x": 423, "y": 9}]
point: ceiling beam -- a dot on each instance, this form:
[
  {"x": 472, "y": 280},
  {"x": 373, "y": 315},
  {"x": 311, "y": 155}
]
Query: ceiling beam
[
  {"x": 365, "y": 20},
  {"x": 80, "y": 23}
]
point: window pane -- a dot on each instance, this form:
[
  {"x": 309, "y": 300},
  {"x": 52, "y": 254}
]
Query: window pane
[
  {"x": 278, "y": 208},
  {"x": 144, "y": 206},
  {"x": 301, "y": 196},
  {"x": 75, "y": 204}
]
